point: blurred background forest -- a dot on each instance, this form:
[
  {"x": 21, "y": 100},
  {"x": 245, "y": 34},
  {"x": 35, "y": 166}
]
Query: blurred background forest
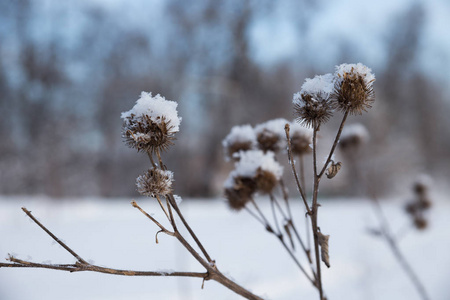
[{"x": 69, "y": 68}]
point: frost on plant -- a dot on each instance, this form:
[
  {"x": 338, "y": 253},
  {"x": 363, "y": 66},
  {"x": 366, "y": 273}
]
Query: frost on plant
[
  {"x": 155, "y": 182},
  {"x": 312, "y": 104},
  {"x": 151, "y": 124}
]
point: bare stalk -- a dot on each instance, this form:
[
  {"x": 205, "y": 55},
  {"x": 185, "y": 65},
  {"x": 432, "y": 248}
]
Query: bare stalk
[
  {"x": 280, "y": 238},
  {"x": 291, "y": 162},
  {"x": 336, "y": 141},
  {"x": 315, "y": 213},
  {"x": 392, "y": 242}
]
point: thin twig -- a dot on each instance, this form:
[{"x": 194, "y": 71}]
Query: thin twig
[
  {"x": 336, "y": 141},
  {"x": 188, "y": 227},
  {"x": 17, "y": 263},
  {"x": 291, "y": 162},
  {"x": 134, "y": 204},
  {"x": 387, "y": 234},
  {"x": 163, "y": 208},
  {"x": 53, "y": 236}
]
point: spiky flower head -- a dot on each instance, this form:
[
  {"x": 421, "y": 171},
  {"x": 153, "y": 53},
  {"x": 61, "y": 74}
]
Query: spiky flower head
[
  {"x": 301, "y": 139},
  {"x": 155, "y": 182},
  {"x": 312, "y": 104},
  {"x": 241, "y": 138},
  {"x": 271, "y": 135},
  {"x": 255, "y": 171},
  {"x": 353, "y": 136},
  {"x": 151, "y": 124},
  {"x": 353, "y": 88}
]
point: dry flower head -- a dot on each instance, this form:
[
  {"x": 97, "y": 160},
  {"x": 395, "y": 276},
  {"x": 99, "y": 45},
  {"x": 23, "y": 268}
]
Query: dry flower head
[
  {"x": 155, "y": 182},
  {"x": 353, "y": 88}
]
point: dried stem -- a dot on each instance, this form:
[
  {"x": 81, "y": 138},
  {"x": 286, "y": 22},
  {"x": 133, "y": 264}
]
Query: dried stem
[
  {"x": 391, "y": 241},
  {"x": 314, "y": 214},
  {"x": 53, "y": 236},
  {"x": 336, "y": 141},
  {"x": 291, "y": 162},
  {"x": 280, "y": 238},
  {"x": 185, "y": 223},
  {"x": 79, "y": 267}
]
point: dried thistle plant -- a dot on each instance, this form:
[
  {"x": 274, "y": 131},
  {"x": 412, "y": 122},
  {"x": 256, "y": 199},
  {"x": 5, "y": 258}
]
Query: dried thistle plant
[
  {"x": 150, "y": 127},
  {"x": 349, "y": 90}
]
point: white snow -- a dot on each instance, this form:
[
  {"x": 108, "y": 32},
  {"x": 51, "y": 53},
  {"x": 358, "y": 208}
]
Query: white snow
[
  {"x": 156, "y": 108},
  {"x": 240, "y": 134},
  {"x": 355, "y": 129},
  {"x": 319, "y": 85},
  {"x": 297, "y": 129},
  {"x": 359, "y": 69},
  {"x": 252, "y": 160},
  {"x": 276, "y": 126},
  {"x": 116, "y": 235}
]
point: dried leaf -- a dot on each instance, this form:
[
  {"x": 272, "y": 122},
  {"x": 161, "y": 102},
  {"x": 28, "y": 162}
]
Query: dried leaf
[
  {"x": 333, "y": 169},
  {"x": 323, "y": 242}
]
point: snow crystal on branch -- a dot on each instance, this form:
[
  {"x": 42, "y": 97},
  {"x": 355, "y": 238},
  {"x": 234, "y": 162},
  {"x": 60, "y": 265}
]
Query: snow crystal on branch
[{"x": 156, "y": 108}]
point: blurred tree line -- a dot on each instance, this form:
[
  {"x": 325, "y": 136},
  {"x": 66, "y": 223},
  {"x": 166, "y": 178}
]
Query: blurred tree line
[{"x": 67, "y": 71}]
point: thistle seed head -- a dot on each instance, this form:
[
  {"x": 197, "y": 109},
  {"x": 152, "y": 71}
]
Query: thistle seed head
[
  {"x": 240, "y": 193},
  {"x": 265, "y": 181},
  {"x": 312, "y": 104},
  {"x": 155, "y": 182},
  {"x": 151, "y": 124},
  {"x": 241, "y": 138},
  {"x": 271, "y": 135},
  {"x": 145, "y": 135},
  {"x": 353, "y": 136},
  {"x": 301, "y": 138},
  {"x": 353, "y": 88}
]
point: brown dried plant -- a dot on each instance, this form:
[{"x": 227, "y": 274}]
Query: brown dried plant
[
  {"x": 350, "y": 91},
  {"x": 150, "y": 127}
]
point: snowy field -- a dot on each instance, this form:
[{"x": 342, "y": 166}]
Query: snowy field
[{"x": 113, "y": 234}]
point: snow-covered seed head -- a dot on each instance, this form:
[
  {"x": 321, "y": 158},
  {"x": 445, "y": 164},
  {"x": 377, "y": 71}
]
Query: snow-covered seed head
[
  {"x": 301, "y": 138},
  {"x": 271, "y": 135},
  {"x": 241, "y": 138},
  {"x": 312, "y": 104},
  {"x": 255, "y": 171},
  {"x": 151, "y": 124},
  {"x": 353, "y": 88},
  {"x": 265, "y": 181},
  {"x": 240, "y": 192},
  {"x": 353, "y": 136},
  {"x": 155, "y": 182}
]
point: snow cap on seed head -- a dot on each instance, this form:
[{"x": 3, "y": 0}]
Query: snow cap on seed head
[
  {"x": 271, "y": 135},
  {"x": 353, "y": 89},
  {"x": 241, "y": 138},
  {"x": 151, "y": 124},
  {"x": 311, "y": 104}
]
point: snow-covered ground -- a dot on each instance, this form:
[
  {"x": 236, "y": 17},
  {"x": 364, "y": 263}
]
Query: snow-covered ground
[{"x": 113, "y": 234}]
